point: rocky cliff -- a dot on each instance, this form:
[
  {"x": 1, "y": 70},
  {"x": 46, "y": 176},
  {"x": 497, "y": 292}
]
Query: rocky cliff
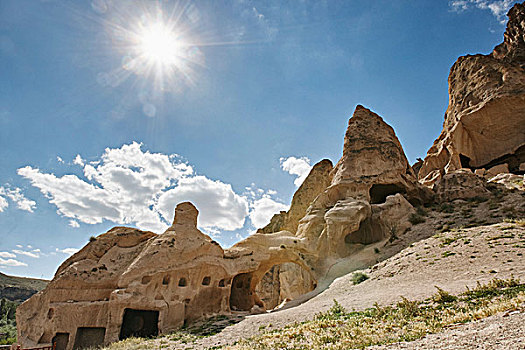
[{"x": 484, "y": 122}]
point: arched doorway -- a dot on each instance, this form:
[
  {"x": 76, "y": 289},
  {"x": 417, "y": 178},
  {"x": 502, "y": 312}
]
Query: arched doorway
[{"x": 241, "y": 295}]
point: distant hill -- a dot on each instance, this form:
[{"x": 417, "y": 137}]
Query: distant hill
[{"x": 19, "y": 289}]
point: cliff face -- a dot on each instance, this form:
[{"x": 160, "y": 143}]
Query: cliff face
[{"x": 484, "y": 122}]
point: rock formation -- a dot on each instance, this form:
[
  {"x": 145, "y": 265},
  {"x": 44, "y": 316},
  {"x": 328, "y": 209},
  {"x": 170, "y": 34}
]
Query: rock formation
[
  {"x": 484, "y": 122},
  {"x": 316, "y": 182},
  {"x": 128, "y": 282}
]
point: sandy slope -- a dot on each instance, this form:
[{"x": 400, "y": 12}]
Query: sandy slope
[{"x": 474, "y": 254}]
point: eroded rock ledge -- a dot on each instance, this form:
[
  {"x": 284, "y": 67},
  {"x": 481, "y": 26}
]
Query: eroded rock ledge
[{"x": 484, "y": 122}]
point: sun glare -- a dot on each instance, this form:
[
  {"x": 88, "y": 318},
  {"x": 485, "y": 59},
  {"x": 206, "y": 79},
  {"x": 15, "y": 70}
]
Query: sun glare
[{"x": 159, "y": 44}]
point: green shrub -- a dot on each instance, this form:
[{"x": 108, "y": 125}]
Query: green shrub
[
  {"x": 443, "y": 296},
  {"x": 359, "y": 277}
]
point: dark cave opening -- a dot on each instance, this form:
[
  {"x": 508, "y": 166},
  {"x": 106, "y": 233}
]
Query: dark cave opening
[
  {"x": 89, "y": 337},
  {"x": 139, "y": 323},
  {"x": 464, "y": 161},
  {"x": 379, "y": 192},
  {"x": 241, "y": 296},
  {"x": 60, "y": 341}
]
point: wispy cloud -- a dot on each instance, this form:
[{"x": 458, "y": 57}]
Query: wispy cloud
[
  {"x": 3, "y": 204},
  {"x": 498, "y": 8},
  {"x": 67, "y": 251},
  {"x": 35, "y": 253},
  {"x": 16, "y": 196},
  {"x": 74, "y": 223},
  {"x": 299, "y": 167},
  {"x": 7, "y": 255},
  {"x": 11, "y": 262}
]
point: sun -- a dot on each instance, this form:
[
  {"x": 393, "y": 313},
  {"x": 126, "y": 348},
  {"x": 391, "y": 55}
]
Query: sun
[
  {"x": 159, "y": 44},
  {"x": 160, "y": 47}
]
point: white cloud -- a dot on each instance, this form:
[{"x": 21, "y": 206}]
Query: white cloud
[
  {"x": 219, "y": 206},
  {"x": 498, "y": 8},
  {"x": 17, "y": 197},
  {"x": 263, "y": 209},
  {"x": 32, "y": 254},
  {"x": 299, "y": 167},
  {"x": 78, "y": 160},
  {"x": 3, "y": 204},
  {"x": 68, "y": 251},
  {"x": 74, "y": 223},
  {"x": 128, "y": 185},
  {"x": 11, "y": 262},
  {"x": 7, "y": 255}
]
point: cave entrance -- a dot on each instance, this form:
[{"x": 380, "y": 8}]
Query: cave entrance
[
  {"x": 139, "y": 323},
  {"x": 464, "y": 161},
  {"x": 241, "y": 295},
  {"x": 369, "y": 231},
  {"x": 89, "y": 337},
  {"x": 60, "y": 341},
  {"x": 513, "y": 161},
  {"x": 379, "y": 192},
  {"x": 284, "y": 282}
]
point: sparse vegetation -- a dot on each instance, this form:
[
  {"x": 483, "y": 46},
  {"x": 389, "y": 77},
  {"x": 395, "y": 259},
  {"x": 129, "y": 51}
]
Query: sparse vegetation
[
  {"x": 359, "y": 277},
  {"x": 443, "y": 296},
  {"x": 408, "y": 320},
  {"x": 447, "y": 254},
  {"x": 7, "y": 322}
]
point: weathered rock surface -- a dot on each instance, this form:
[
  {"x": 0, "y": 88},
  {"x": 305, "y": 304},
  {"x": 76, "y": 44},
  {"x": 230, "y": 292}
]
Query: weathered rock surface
[
  {"x": 128, "y": 282},
  {"x": 316, "y": 182},
  {"x": 510, "y": 181},
  {"x": 460, "y": 184},
  {"x": 484, "y": 121}
]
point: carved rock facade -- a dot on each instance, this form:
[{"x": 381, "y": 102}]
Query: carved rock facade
[{"x": 129, "y": 282}]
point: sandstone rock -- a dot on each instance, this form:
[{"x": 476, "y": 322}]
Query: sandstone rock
[
  {"x": 484, "y": 121},
  {"x": 497, "y": 169},
  {"x": 480, "y": 172},
  {"x": 316, "y": 182},
  {"x": 460, "y": 184},
  {"x": 128, "y": 282},
  {"x": 373, "y": 161}
]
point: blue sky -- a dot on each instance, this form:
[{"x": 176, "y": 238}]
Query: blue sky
[{"x": 96, "y": 130}]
